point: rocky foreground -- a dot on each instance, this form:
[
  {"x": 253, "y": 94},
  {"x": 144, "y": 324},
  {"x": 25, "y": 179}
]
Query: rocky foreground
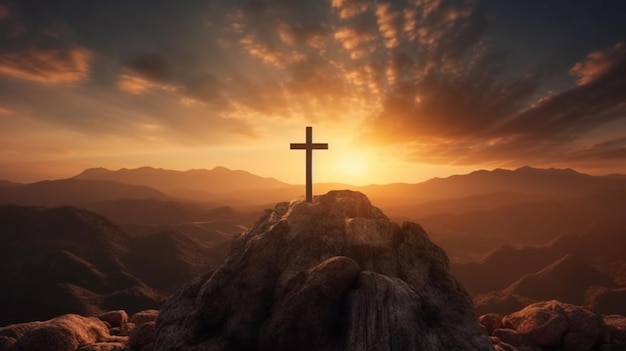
[
  {"x": 111, "y": 331},
  {"x": 549, "y": 325},
  {"x": 335, "y": 274}
]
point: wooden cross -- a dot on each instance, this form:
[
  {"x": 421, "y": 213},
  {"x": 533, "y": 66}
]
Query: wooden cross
[{"x": 309, "y": 146}]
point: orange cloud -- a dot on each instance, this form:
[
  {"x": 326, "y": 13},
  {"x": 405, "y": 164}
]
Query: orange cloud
[
  {"x": 598, "y": 63},
  {"x": 410, "y": 23},
  {"x": 348, "y": 9},
  {"x": 48, "y": 66},
  {"x": 387, "y": 24},
  {"x": 354, "y": 40},
  {"x": 4, "y": 111},
  {"x": 286, "y": 33},
  {"x": 268, "y": 54},
  {"x": 135, "y": 84}
]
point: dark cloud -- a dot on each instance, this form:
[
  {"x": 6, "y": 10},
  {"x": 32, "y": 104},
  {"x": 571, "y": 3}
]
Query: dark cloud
[
  {"x": 454, "y": 102},
  {"x": 576, "y": 111},
  {"x": 44, "y": 54},
  {"x": 151, "y": 66}
]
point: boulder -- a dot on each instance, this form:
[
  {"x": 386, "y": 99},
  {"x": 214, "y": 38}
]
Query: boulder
[
  {"x": 114, "y": 318},
  {"x": 126, "y": 329},
  {"x": 332, "y": 274},
  {"x": 617, "y": 328},
  {"x": 16, "y": 331},
  {"x": 142, "y": 317},
  {"x": 64, "y": 333},
  {"x": 513, "y": 338},
  {"x": 553, "y": 324},
  {"x": 142, "y": 336},
  {"x": 491, "y": 322}
]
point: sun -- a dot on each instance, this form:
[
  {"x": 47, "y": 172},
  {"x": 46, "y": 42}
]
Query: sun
[{"x": 354, "y": 165}]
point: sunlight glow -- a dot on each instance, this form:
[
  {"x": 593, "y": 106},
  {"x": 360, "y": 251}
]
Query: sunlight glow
[{"x": 355, "y": 165}]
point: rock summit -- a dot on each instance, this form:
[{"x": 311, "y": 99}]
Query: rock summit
[{"x": 333, "y": 274}]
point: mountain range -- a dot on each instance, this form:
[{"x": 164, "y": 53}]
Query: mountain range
[{"x": 508, "y": 233}]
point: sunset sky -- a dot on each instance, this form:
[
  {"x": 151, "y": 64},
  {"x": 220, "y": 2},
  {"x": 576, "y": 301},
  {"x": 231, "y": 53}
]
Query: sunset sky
[{"x": 401, "y": 90}]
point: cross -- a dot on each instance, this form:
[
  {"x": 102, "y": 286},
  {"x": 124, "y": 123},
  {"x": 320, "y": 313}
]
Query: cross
[{"x": 309, "y": 147}]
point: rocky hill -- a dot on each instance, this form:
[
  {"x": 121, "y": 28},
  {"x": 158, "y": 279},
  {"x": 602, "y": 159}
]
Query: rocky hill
[
  {"x": 68, "y": 260},
  {"x": 332, "y": 274},
  {"x": 569, "y": 280}
]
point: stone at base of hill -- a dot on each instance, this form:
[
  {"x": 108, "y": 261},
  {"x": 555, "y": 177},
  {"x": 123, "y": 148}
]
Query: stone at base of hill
[
  {"x": 146, "y": 316},
  {"x": 64, "y": 333},
  {"x": 74, "y": 333},
  {"x": 114, "y": 318},
  {"x": 333, "y": 274},
  {"x": 142, "y": 336},
  {"x": 16, "y": 331},
  {"x": 617, "y": 328},
  {"x": 553, "y": 325},
  {"x": 491, "y": 322}
]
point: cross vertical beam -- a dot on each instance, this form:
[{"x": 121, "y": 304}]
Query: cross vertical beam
[{"x": 309, "y": 146}]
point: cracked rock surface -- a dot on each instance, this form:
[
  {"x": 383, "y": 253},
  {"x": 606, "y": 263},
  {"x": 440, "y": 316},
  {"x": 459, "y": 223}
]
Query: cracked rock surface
[{"x": 334, "y": 274}]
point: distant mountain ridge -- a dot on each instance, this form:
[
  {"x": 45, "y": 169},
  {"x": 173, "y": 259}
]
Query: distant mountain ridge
[
  {"x": 218, "y": 180},
  {"x": 230, "y": 186},
  {"x": 75, "y": 192}
]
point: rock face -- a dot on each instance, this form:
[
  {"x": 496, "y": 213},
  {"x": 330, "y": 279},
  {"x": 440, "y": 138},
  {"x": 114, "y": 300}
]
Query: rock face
[
  {"x": 334, "y": 274},
  {"x": 554, "y": 325}
]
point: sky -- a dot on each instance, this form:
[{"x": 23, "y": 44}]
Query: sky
[{"x": 402, "y": 91}]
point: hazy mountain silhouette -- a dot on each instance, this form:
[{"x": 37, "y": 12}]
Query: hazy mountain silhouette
[
  {"x": 218, "y": 180},
  {"x": 8, "y": 184},
  {"x": 166, "y": 260},
  {"x": 474, "y": 233},
  {"x": 600, "y": 247},
  {"x": 238, "y": 188},
  {"x": 144, "y": 211},
  {"x": 43, "y": 250},
  {"x": 567, "y": 280},
  {"x": 74, "y": 192},
  {"x": 65, "y": 259}
]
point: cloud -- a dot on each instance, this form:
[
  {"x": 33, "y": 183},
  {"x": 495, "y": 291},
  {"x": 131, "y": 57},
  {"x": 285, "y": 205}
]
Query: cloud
[
  {"x": 136, "y": 84},
  {"x": 48, "y": 66},
  {"x": 499, "y": 124},
  {"x": 41, "y": 54},
  {"x": 599, "y": 63},
  {"x": 355, "y": 40},
  {"x": 431, "y": 77},
  {"x": 145, "y": 72},
  {"x": 446, "y": 99},
  {"x": 269, "y": 54},
  {"x": 388, "y": 24},
  {"x": 349, "y": 8}
]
